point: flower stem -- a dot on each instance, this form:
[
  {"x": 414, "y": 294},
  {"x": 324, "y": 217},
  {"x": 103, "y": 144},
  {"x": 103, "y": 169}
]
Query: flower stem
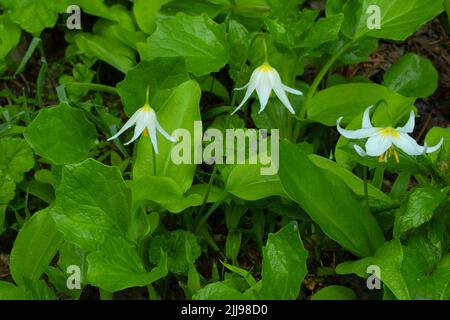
[
  {"x": 208, "y": 190},
  {"x": 210, "y": 212}
]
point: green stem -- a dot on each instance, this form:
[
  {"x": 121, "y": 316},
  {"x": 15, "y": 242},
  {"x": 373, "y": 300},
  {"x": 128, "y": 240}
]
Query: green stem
[
  {"x": 322, "y": 73},
  {"x": 208, "y": 190},
  {"x": 211, "y": 211}
]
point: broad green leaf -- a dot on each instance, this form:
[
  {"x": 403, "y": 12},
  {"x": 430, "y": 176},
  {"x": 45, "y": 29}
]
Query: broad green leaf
[
  {"x": 61, "y": 134},
  {"x": 16, "y": 159},
  {"x": 9, "y": 36},
  {"x": 389, "y": 259},
  {"x": 350, "y": 100},
  {"x": 34, "y": 248},
  {"x": 239, "y": 41},
  {"x": 164, "y": 192},
  {"x": 145, "y": 13},
  {"x": 92, "y": 203},
  {"x": 30, "y": 290},
  {"x": 418, "y": 209},
  {"x": 284, "y": 264},
  {"x": 282, "y": 9},
  {"x": 320, "y": 194},
  {"x": 7, "y": 188},
  {"x": 324, "y": 30},
  {"x": 412, "y": 76},
  {"x": 175, "y": 244},
  {"x": 160, "y": 76},
  {"x": 399, "y": 19},
  {"x": 198, "y": 7},
  {"x": 116, "y": 265},
  {"x": 110, "y": 50},
  {"x": 198, "y": 39},
  {"x": 222, "y": 290},
  {"x": 184, "y": 102},
  {"x": 25, "y": 13},
  {"x": 376, "y": 196},
  {"x": 334, "y": 292}
]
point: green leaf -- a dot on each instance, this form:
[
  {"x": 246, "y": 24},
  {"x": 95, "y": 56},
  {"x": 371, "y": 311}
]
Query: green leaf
[
  {"x": 161, "y": 76},
  {"x": 433, "y": 137},
  {"x": 350, "y": 100},
  {"x": 145, "y": 13},
  {"x": 284, "y": 264},
  {"x": 175, "y": 245},
  {"x": 198, "y": 39},
  {"x": 30, "y": 290},
  {"x": 412, "y": 76},
  {"x": 9, "y": 36},
  {"x": 92, "y": 203},
  {"x": 324, "y": 30},
  {"x": 334, "y": 293},
  {"x": 282, "y": 9},
  {"x": 399, "y": 20},
  {"x": 389, "y": 259},
  {"x": 17, "y": 158},
  {"x": 185, "y": 103},
  {"x": 61, "y": 134},
  {"x": 116, "y": 265},
  {"x": 419, "y": 208},
  {"x": 24, "y": 13},
  {"x": 222, "y": 290},
  {"x": 34, "y": 248},
  {"x": 164, "y": 192},
  {"x": 320, "y": 194},
  {"x": 7, "y": 188}
]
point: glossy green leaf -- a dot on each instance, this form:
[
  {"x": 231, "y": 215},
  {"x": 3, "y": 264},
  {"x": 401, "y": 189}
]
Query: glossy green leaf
[
  {"x": 434, "y": 136},
  {"x": 319, "y": 193},
  {"x": 145, "y": 13},
  {"x": 412, "y": 76},
  {"x": 116, "y": 265},
  {"x": 198, "y": 39},
  {"x": 30, "y": 290},
  {"x": 418, "y": 209},
  {"x": 284, "y": 264},
  {"x": 161, "y": 76},
  {"x": 92, "y": 203},
  {"x": 334, "y": 292},
  {"x": 9, "y": 36},
  {"x": 322, "y": 31},
  {"x": 34, "y": 248},
  {"x": 17, "y": 158},
  {"x": 350, "y": 100},
  {"x": 61, "y": 134}
]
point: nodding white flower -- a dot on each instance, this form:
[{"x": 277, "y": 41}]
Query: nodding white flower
[
  {"x": 265, "y": 79},
  {"x": 382, "y": 141},
  {"x": 147, "y": 123}
]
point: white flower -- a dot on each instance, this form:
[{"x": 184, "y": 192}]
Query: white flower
[
  {"x": 265, "y": 79},
  {"x": 147, "y": 123},
  {"x": 382, "y": 141}
]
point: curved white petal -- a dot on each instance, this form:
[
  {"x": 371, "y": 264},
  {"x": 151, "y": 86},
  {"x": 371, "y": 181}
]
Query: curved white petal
[
  {"x": 264, "y": 89},
  {"x": 366, "y": 123},
  {"x": 436, "y": 147},
  {"x": 360, "y": 150},
  {"x": 127, "y": 125},
  {"x": 356, "y": 134},
  {"x": 251, "y": 86},
  {"x": 151, "y": 127},
  {"x": 140, "y": 126},
  {"x": 378, "y": 145},
  {"x": 409, "y": 126},
  {"x": 408, "y": 144},
  {"x": 164, "y": 132},
  {"x": 278, "y": 88},
  {"x": 242, "y": 88},
  {"x": 292, "y": 90}
]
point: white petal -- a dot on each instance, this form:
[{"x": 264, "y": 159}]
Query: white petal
[
  {"x": 292, "y": 90},
  {"x": 242, "y": 88},
  {"x": 264, "y": 89},
  {"x": 140, "y": 126},
  {"x": 278, "y": 88},
  {"x": 360, "y": 150},
  {"x": 436, "y": 147},
  {"x": 127, "y": 125},
  {"x": 164, "y": 132},
  {"x": 151, "y": 127},
  {"x": 378, "y": 145},
  {"x": 409, "y": 126},
  {"x": 251, "y": 86},
  {"x": 366, "y": 119},
  {"x": 408, "y": 144},
  {"x": 356, "y": 134}
]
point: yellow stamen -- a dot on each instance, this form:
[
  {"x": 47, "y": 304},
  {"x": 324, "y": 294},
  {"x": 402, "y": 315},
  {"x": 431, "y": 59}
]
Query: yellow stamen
[
  {"x": 381, "y": 158},
  {"x": 265, "y": 68},
  {"x": 396, "y": 156},
  {"x": 145, "y": 133},
  {"x": 390, "y": 151}
]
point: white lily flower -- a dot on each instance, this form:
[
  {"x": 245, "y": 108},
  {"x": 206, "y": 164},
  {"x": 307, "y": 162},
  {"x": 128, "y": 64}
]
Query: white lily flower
[
  {"x": 264, "y": 79},
  {"x": 147, "y": 123},
  {"x": 382, "y": 141}
]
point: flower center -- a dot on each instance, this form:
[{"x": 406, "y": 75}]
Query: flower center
[
  {"x": 388, "y": 131},
  {"x": 265, "y": 68},
  {"x": 146, "y": 108},
  {"x": 385, "y": 156}
]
